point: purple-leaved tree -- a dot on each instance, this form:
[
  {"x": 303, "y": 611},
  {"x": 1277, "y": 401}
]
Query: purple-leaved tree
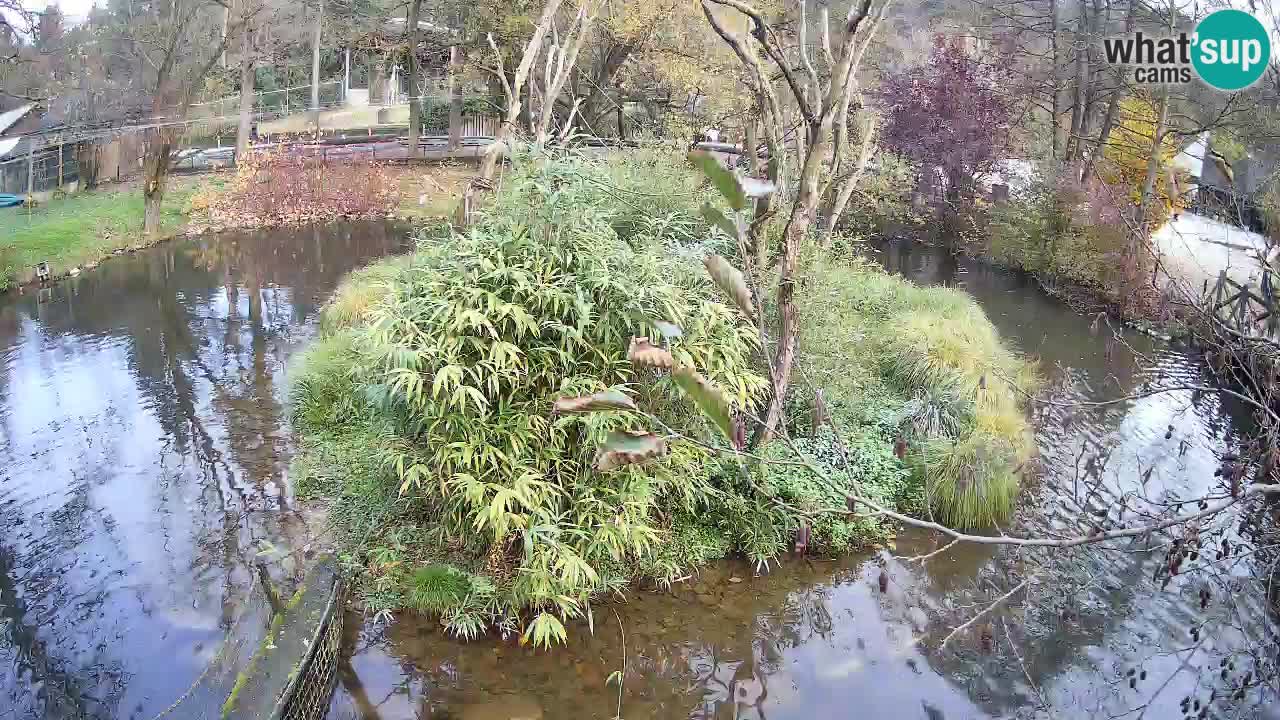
[{"x": 951, "y": 116}]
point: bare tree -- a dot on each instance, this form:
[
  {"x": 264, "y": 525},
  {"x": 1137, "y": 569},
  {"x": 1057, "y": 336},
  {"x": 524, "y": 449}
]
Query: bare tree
[
  {"x": 165, "y": 43},
  {"x": 512, "y": 88},
  {"x": 412, "y": 23},
  {"x": 560, "y": 61},
  {"x": 315, "y": 61},
  {"x": 821, "y": 102},
  {"x": 455, "y": 97},
  {"x": 248, "y": 59}
]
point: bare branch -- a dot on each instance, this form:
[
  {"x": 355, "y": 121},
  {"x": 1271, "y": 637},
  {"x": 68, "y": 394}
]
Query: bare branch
[
  {"x": 985, "y": 611},
  {"x": 768, "y": 39}
]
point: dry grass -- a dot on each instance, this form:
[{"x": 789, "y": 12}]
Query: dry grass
[
  {"x": 868, "y": 333},
  {"x": 281, "y": 189},
  {"x": 431, "y": 192}
]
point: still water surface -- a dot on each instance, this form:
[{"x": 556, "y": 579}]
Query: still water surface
[
  {"x": 143, "y": 466},
  {"x": 143, "y": 457}
]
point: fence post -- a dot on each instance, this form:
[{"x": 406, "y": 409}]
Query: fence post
[
  {"x": 31, "y": 172},
  {"x": 60, "y": 154}
]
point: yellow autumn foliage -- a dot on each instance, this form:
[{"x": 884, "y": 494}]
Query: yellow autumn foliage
[
  {"x": 676, "y": 49},
  {"x": 1128, "y": 152}
]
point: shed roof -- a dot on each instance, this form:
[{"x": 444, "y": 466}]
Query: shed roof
[{"x": 10, "y": 118}]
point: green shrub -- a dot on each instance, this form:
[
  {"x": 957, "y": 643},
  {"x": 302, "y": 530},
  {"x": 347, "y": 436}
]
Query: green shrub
[
  {"x": 692, "y": 540},
  {"x": 437, "y": 587},
  {"x": 471, "y": 499},
  {"x": 971, "y": 480},
  {"x": 322, "y": 385},
  {"x": 462, "y": 350},
  {"x": 1053, "y": 232},
  {"x": 863, "y": 463},
  {"x": 8, "y": 267},
  {"x": 922, "y": 366},
  {"x": 882, "y": 206},
  {"x": 359, "y": 292}
]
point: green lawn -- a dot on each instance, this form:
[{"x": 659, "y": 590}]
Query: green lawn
[{"x": 81, "y": 228}]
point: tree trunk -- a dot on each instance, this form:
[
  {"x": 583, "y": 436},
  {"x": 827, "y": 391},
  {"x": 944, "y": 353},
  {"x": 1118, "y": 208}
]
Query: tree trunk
[
  {"x": 598, "y": 102},
  {"x": 246, "y": 95},
  {"x": 512, "y": 89},
  {"x": 1078, "y": 108},
  {"x": 1153, "y": 171},
  {"x": 315, "y": 63},
  {"x": 155, "y": 173},
  {"x": 525, "y": 116},
  {"x": 226, "y": 22},
  {"x": 415, "y": 100},
  {"x": 1097, "y": 26},
  {"x": 764, "y": 212},
  {"x": 846, "y": 189},
  {"x": 1113, "y": 105},
  {"x": 1056, "y": 102},
  {"x": 808, "y": 195},
  {"x": 455, "y": 98}
]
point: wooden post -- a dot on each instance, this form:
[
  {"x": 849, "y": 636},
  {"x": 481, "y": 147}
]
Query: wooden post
[
  {"x": 31, "y": 173},
  {"x": 60, "y": 154}
]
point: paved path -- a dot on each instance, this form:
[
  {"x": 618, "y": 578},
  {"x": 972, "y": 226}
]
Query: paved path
[{"x": 1195, "y": 249}]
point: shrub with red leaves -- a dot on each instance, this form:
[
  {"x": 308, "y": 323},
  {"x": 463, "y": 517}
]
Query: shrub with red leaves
[{"x": 282, "y": 188}]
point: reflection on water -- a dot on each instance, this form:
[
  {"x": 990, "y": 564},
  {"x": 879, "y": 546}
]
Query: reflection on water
[
  {"x": 819, "y": 638},
  {"x": 143, "y": 456}
]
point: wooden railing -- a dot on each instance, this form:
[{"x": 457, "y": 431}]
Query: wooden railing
[{"x": 1244, "y": 310}]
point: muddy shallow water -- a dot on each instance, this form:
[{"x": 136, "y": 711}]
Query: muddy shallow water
[{"x": 144, "y": 466}]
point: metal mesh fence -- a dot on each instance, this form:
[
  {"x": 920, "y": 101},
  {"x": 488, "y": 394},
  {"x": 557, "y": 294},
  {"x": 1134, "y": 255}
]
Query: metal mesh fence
[
  {"x": 49, "y": 169},
  {"x": 314, "y": 688}
]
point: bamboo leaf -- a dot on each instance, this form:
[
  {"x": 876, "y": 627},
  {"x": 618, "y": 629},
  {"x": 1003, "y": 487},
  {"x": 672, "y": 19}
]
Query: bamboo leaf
[
  {"x": 611, "y": 399},
  {"x": 643, "y": 354},
  {"x": 718, "y": 219},
  {"x": 707, "y": 397},
  {"x": 629, "y": 447},
  {"x": 730, "y": 280},
  {"x": 545, "y": 630},
  {"x": 723, "y": 180}
]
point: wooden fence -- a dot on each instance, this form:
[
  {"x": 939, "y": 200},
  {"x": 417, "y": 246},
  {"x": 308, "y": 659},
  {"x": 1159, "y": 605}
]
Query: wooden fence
[{"x": 1244, "y": 310}]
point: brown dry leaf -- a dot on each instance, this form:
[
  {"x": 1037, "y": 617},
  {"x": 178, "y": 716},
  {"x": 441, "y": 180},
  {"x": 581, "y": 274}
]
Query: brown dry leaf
[
  {"x": 629, "y": 447},
  {"x": 611, "y": 399},
  {"x": 644, "y": 354}
]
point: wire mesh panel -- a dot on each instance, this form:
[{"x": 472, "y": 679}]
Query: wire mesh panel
[
  {"x": 48, "y": 169},
  {"x": 314, "y": 689},
  {"x": 292, "y": 673}
]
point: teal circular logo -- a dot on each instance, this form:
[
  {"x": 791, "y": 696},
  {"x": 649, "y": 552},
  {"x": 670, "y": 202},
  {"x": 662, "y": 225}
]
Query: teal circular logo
[{"x": 1231, "y": 49}]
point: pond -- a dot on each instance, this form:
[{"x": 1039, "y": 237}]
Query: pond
[{"x": 144, "y": 454}]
